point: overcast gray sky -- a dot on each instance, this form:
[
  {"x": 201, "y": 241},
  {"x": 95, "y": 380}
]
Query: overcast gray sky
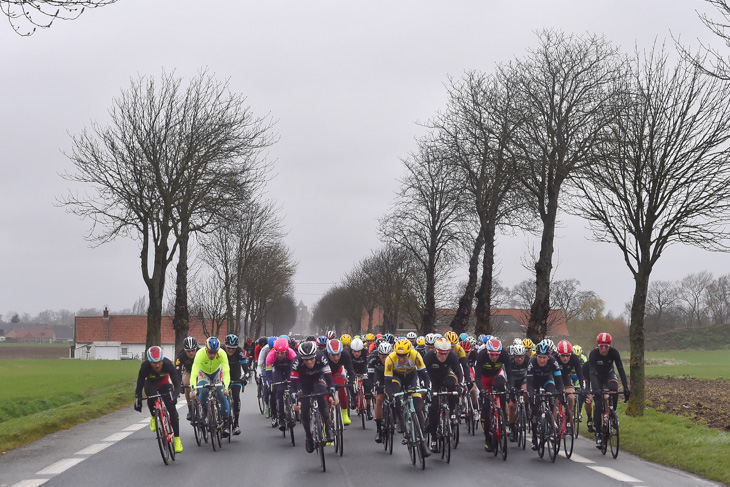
[{"x": 346, "y": 81}]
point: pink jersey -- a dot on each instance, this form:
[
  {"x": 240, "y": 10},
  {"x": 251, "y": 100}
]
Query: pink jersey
[{"x": 271, "y": 357}]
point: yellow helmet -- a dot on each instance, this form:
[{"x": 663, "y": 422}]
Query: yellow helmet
[
  {"x": 421, "y": 341},
  {"x": 403, "y": 346},
  {"x": 452, "y": 337},
  {"x": 578, "y": 350},
  {"x": 528, "y": 343},
  {"x": 346, "y": 339},
  {"x": 369, "y": 337}
]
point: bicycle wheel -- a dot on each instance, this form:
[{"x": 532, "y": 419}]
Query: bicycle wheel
[
  {"x": 419, "y": 441},
  {"x": 551, "y": 435},
  {"x": 445, "y": 439},
  {"x": 541, "y": 436},
  {"x": 502, "y": 436},
  {"x": 339, "y": 431},
  {"x": 410, "y": 438},
  {"x": 197, "y": 422},
  {"x": 605, "y": 431},
  {"x": 576, "y": 416},
  {"x": 454, "y": 435},
  {"x": 470, "y": 417},
  {"x": 568, "y": 438},
  {"x": 212, "y": 424},
  {"x": 169, "y": 434},
  {"x": 161, "y": 438},
  {"x": 613, "y": 435},
  {"x": 260, "y": 396},
  {"x": 319, "y": 435},
  {"x": 521, "y": 426},
  {"x": 361, "y": 406}
]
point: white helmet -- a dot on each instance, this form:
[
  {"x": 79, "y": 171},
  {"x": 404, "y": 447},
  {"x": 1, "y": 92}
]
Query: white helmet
[
  {"x": 517, "y": 341},
  {"x": 411, "y": 335},
  {"x": 357, "y": 345},
  {"x": 518, "y": 349}
]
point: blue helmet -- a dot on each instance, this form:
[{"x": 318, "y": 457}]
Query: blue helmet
[
  {"x": 286, "y": 337},
  {"x": 271, "y": 342},
  {"x": 486, "y": 338},
  {"x": 155, "y": 354},
  {"x": 213, "y": 344},
  {"x": 463, "y": 336},
  {"x": 543, "y": 348},
  {"x": 231, "y": 340},
  {"x": 321, "y": 341}
]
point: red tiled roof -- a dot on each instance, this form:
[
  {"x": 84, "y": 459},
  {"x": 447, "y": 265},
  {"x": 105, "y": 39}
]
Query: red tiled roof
[
  {"x": 21, "y": 333},
  {"x": 132, "y": 329}
]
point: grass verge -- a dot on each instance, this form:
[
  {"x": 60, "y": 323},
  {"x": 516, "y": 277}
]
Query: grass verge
[{"x": 677, "y": 442}]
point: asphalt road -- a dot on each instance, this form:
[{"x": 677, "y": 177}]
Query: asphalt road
[{"x": 120, "y": 450}]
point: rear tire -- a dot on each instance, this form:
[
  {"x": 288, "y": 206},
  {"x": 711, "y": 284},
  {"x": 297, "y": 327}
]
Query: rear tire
[{"x": 161, "y": 438}]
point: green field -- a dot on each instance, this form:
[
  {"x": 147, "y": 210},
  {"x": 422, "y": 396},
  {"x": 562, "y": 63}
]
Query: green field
[
  {"x": 49, "y": 395},
  {"x": 712, "y": 364}
]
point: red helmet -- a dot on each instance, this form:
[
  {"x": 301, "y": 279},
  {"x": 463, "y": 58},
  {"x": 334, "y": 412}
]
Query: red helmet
[
  {"x": 565, "y": 348},
  {"x": 604, "y": 339},
  {"x": 281, "y": 345}
]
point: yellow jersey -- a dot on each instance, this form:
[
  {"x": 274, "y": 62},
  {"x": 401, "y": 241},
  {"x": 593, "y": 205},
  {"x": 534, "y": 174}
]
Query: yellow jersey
[{"x": 393, "y": 366}]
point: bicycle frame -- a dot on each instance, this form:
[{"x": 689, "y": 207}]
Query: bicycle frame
[
  {"x": 413, "y": 435},
  {"x": 163, "y": 428}
]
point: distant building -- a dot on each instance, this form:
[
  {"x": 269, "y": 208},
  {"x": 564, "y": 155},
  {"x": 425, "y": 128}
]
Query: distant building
[
  {"x": 31, "y": 335},
  {"x": 304, "y": 318}
]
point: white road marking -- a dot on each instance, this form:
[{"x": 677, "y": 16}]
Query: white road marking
[
  {"x": 93, "y": 449},
  {"x": 60, "y": 466},
  {"x": 614, "y": 474},
  {"x": 580, "y": 459},
  {"x": 145, "y": 421},
  {"x": 117, "y": 436},
  {"x": 135, "y": 427},
  {"x": 30, "y": 483}
]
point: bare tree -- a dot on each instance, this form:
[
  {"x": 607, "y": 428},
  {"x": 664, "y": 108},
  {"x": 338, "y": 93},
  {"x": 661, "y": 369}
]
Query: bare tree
[
  {"x": 664, "y": 179},
  {"x": 25, "y": 16},
  {"x": 426, "y": 220},
  {"x": 339, "y": 309},
  {"x": 717, "y": 300},
  {"x": 209, "y": 304},
  {"x": 567, "y": 296},
  {"x": 661, "y": 300},
  {"x": 169, "y": 162},
  {"x": 692, "y": 291},
  {"x": 564, "y": 90}
]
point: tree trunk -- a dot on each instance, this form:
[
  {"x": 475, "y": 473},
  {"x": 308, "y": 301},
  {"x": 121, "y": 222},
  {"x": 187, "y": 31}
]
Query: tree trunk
[
  {"x": 181, "y": 319},
  {"x": 540, "y": 310},
  {"x": 460, "y": 321},
  {"x": 429, "y": 311},
  {"x": 637, "y": 401},
  {"x": 484, "y": 294},
  {"x": 155, "y": 288}
]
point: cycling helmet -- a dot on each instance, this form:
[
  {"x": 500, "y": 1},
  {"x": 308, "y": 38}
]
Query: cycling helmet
[
  {"x": 480, "y": 338},
  {"x": 369, "y": 337},
  {"x": 518, "y": 349},
  {"x": 389, "y": 338},
  {"x": 357, "y": 345},
  {"x": 307, "y": 350},
  {"x": 550, "y": 344},
  {"x": 411, "y": 335},
  {"x": 543, "y": 348},
  {"x": 334, "y": 346},
  {"x": 285, "y": 337},
  {"x": 442, "y": 345},
  {"x": 578, "y": 350},
  {"x": 472, "y": 342},
  {"x": 486, "y": 338},
  {"x": 330, "y": 335},
  {"x": 385, "y": 348},
  {"x": 213, "y": 344},
  {"x": 249, "y": 341},
  {"x": 379, "y": 335},
  {"x": 271, "y": 341},
  {"x": 564, "y": 347},
  {"x": 155, "y": 354},
  {"x": 466, "y": 346},
  {"x": 516, "y": 341},
  {"x": 346, "y": 340},
  {"x": 430, "y": 339},
  {"x": 261, "y": 341},
  {"x": 527, "y": 343},
  {"x": 379, "y": 340},
  {"x": 281, "y": 344},
  {"x": 190, "y": 343},
  {"x": 604, "y": 339},
  {"x": 402, "y": 347},
  {"x": 463, "y": 336},
  {"x": 231, "y": 340},
  {"x": 310, "y": 338},
  {"x": 452, "y": 337},
  {"x": 420, "y": 341},
  {"x": 321, "y": 341},
  {"x": 494, "y": 345}
]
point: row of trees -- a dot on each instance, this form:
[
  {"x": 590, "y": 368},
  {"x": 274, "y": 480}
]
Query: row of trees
[
  {"x": 178, "y": 162},
  {"x": 636, "y": 145}
]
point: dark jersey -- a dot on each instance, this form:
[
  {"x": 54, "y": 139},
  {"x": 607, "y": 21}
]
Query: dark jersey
[
  {"x": 567, "y": 369},
  {"x": 485, "y": 367},
  {"x": 438, "y": 370},
  {"x": 519, "y": 371},
  {"x": 236, "y": 361},
  {"x": 359, "y": 364},
  {"x": 376, "y": 369},
  {"x": 183, "y": 363},
  {"x": 601, "y": 367},
  {"x": 168, "y": 375},
  {"x": 301, "y": 374},
  {"x": 537, "y": 376},
  {"x": 345, "y": 363}
]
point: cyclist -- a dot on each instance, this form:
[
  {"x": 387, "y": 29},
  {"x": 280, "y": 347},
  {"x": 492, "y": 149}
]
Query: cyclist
[
  {"x": 311, "y": 374},
  {"x": 542, "y": 372},
  {"x": 346, "y": 341},
  {"x": 492, "y": 372},
  {"x": 342, "y": 371},
  {"x": 367, "y": 340},
  {"x": 445, "y": 372},
  {"x": 569, "y": 363},
  {"x": 403, "y": 367},
  {"x": 211, "y": 367},
  {"x": 157, "y": 375},
  {"x": 421, "y": 345},
  {"x": 360, "y": 366},
  {"x": 237, "y": 362},
  {"x": 428, "y": 342},
  {"x": 518, "y": 365},
  {"x": 183, "y": 364},
  {"x": 411, "y": 336},
  {"x": 322, "y": 343},
  {"x": 376, "y": 373},
  {"x": 601, "y": 361},
  {"x": 529, "y": 345},
  {"x": 459, "y": 351},
  {"x": 278, "y": 369}
]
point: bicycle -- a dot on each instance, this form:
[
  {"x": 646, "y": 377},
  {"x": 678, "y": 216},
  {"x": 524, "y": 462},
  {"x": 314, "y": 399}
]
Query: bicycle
[
  {"x": 412, "y": 435},
  {"x": 565, "y": 428},
  {"x": 360, "y": 401},
  {"x": 197, "y": 421},
  {"x": 338, "y": 425},
  {"x": 260, "y": 394},
  {"x": 497, "y": 424},
  {"x": 214, "y": 418},
  {"x": 163, "y": 429},
  {"x": 316, "y": 423},
  {"x": 388, "y": 426},
  {"x": 289, "y": 414},
  {"x": 521, "y": 423},
  {"x": 467, "y": 413},
  {"x": 609, "y": 427},
  {"x": 546, "y": 427},
  {"x": 443, "y": 429},
  {"x": 577, "y": 408}
]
